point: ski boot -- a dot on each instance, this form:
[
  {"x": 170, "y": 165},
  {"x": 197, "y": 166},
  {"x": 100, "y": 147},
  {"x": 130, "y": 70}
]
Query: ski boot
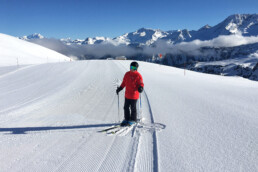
[
  {"x": 131, "y": 122},
  {"x": 124, "y": 123}
]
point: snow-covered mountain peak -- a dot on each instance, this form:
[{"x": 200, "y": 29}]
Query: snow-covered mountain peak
[
  {"x": 142, "y": 36},
  {"x": 240, "y": 18},
  {"x": 205, "y": 27},
  {"x": 144, "y": 29},
  {"x": 241, "y": 23},
  {"x": 66, "y": 39},
  {"x": 143, "y": 32},
  {"x": 32, "y": 36},
  {"x": 100, "y": 38},
  {"x": 95, "y": 40}
]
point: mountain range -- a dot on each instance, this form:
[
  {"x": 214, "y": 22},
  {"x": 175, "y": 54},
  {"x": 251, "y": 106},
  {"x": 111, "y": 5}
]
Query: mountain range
[
  {"x": 228, "y": 48},
  {"x": 244, "y": 24}
]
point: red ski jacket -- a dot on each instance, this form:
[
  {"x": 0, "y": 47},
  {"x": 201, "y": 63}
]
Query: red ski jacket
[{"x": 132, "y": 81}]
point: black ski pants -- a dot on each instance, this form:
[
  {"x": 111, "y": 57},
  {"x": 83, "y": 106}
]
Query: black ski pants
[{"x": 130, "y": 109}]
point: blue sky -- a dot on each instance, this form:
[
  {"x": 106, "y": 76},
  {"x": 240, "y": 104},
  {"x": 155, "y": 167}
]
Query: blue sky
[{"x": 111, "y": 18}]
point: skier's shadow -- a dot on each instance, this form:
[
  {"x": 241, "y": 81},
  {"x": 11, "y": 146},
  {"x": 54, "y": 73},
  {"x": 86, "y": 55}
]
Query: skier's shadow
[{"x": 24, "y": 130}]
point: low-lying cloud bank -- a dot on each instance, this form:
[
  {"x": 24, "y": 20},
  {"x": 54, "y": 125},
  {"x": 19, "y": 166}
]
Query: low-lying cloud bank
[
  {"x": 97, "y": 51},
  {"x": 160, "y": 46},
  {"x": 221, "y": 41}
]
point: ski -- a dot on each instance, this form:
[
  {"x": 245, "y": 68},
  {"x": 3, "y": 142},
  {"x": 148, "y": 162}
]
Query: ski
[
  {"x": 109, "y": 128},
  {"x": 117, "y": 128},
  {"x": 116, "y": 131},
  {"x": 121, "y": 129}
]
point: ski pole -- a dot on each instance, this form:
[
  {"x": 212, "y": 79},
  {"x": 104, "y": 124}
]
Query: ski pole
[
  {"x": 118, "y": 107},
  {"x": 140, "y": 108},
  {"x": 140, "y": 101}
]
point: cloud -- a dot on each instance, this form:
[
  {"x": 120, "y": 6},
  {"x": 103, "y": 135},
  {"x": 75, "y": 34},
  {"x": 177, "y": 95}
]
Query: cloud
[
  {"x": 221, "y": 41},
  {"x": 194, "y": 47},
  {"x": 98, "y": 50},
  {"x": 161, "y": 46}
]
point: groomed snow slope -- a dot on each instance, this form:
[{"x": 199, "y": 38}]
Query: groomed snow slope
[
  {"x": 50, "y": 115},
  {"x": 14, "y": 51}
]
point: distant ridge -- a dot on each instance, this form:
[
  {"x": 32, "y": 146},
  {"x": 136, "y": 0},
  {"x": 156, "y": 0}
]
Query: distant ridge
[{"x": 244, "y": 24}]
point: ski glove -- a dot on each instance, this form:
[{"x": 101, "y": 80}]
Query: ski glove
[
  {"x": 140, "y": 89},
  {"x": 118, "y": 90}
]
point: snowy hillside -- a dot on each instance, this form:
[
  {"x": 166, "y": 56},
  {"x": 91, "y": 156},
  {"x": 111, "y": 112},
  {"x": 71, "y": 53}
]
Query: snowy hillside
[
  {"x": 50, "y": 115},
  {"x": 231, "y": 61},
  {"x": 14, "y": 51}
]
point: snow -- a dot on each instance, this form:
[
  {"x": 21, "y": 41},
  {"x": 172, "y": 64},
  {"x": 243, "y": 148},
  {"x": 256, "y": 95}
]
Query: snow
[
  {"x": 50, "y": 115},
  {"x": 248, "y": 26},
  {"x": 14, "y": 51},
  {"x": 232, "y": 28},
  {"x": 142, "y": 33}
]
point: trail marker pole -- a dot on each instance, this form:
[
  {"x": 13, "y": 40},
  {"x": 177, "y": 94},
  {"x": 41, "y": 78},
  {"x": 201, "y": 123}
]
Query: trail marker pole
[{"x": 184, "y": 70}]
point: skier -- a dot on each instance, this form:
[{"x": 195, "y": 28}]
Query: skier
[{"x": 134, "y": 85}]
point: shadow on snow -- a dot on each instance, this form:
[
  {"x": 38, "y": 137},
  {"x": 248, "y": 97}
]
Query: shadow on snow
[{"x": 23, "y": 130}]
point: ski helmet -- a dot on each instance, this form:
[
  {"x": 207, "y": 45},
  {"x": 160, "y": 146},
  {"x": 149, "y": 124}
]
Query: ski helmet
[{"x": 134, "y": 64}]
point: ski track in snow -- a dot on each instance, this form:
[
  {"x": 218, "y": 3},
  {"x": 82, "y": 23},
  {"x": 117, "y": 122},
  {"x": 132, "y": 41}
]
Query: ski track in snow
[
  {"x": 155, "y": 141},
  {"x": 52, "y": 112},
  {"x": 145, "y": 156},
  {"x": 135, "y": 156}
]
